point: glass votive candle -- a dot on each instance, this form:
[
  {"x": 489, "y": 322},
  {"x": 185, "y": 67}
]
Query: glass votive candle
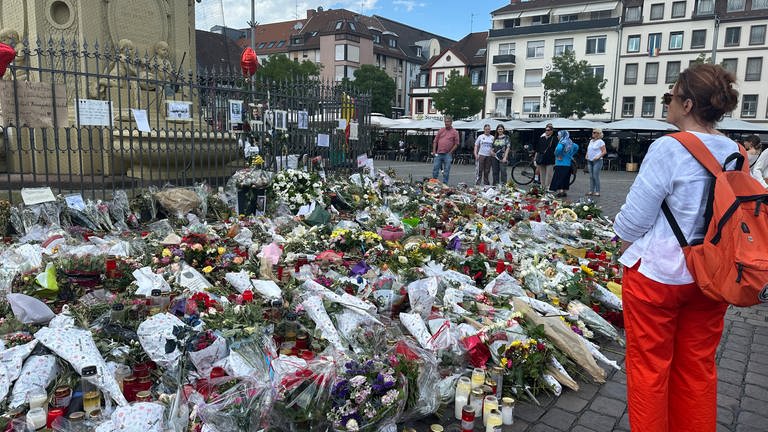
[
  {"x": 489, "y": 404},
  {"x": 36, "y": 418},
  {"x": 507, "y": 410},
  {"x": 53, "y": 414},
  {"x": 478, "y": 378},
  {"x": 141, "y": 371},
  {"x": 494, "y": 421},
  {"x": 37, "y": 399},
  {"x": 129, "y": 388}
]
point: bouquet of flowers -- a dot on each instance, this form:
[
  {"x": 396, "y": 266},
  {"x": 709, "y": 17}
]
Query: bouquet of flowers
[
  {"x": 251, "y": 178},
  {"x": 367, "y": 396},
  {"x": 348, "y": 240},
  {"x": 302, "y": 396},
  {"x": 239, "y": 408},
  {"x": 525, "y": 362},
  {"x": 296, "y": 188}
]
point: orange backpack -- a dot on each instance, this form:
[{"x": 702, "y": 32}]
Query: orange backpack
[{"x": 730, "y": 264}]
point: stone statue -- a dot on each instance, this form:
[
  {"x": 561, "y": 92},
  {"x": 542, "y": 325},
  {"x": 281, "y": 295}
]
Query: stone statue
[
  {"x": 158, "y": 68},
  {"x": 11, "y": 37},
  {"x": 122, "y": 67}
]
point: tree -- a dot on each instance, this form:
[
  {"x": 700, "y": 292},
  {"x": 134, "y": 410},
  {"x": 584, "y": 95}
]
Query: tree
[
  {"x": 573, "y": 88},
  {"x": 280, "y": 68},
  {"x": 458, "y": 98},
  {"x": 371, "y": 79}
]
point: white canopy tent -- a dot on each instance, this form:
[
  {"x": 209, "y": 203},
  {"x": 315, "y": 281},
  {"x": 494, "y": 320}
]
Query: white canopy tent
[
  {"x": 732, "y": 124},
  {"x": 640, "y": 124},
  {"x": 564, "y": 123}
]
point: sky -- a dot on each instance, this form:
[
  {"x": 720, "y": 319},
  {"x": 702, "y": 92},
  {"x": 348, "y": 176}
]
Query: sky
[{"x": 453, "y": 19}]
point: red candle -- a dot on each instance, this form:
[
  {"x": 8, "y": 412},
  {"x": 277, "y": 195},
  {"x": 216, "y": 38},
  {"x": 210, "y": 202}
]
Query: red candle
[
  {"x": 481, "y": 248},
  {"x": 500, "y": 266},
  {"x": 53, "y": 414}
]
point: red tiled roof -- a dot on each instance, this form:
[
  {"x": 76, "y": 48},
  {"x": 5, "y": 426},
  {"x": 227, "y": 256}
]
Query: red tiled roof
[{"x": 269, "y": 37}]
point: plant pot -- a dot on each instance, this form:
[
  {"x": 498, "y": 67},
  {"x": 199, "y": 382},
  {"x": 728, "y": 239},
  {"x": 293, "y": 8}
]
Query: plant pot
[{"x": 632, "y": 166}]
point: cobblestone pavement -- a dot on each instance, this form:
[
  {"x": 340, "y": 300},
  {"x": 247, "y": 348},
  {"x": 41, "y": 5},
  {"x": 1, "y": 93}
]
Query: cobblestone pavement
[{"x": 742, "y": 355}]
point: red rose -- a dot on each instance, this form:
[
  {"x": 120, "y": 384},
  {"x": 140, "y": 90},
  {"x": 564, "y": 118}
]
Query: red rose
[{"x": 248, "y": 296}]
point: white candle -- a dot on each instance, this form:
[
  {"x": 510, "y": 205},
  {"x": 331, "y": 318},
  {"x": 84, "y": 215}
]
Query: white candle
[
  {"x": 36, "y": 418},
  {"x": 507, "y": 410},
  {"x": 463, "y": 388},
  {"x": 37, "y": 399},
  {"x": 490, "y": 404},
  {"x": 494, "y": 420}
]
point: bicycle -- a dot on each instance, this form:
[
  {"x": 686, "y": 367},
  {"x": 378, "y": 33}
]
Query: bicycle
[{"x": 524, "y": 170}]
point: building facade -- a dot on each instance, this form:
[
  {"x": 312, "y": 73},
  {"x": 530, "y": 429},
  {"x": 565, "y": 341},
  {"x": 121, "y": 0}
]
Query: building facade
[
  {"x": 638, "y": 46},
  {"x": 467, "y": 57},
  {"x": 659, "y": 39}
]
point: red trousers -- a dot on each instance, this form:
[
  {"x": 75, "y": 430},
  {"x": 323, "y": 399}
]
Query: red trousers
[{"x": 672, "y": 335}]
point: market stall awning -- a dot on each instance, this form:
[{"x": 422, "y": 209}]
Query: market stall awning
[
  {"x": 640, "y": 124},
  {"x": 732, "y": 124},
  {"x": 564, "y": 123}
]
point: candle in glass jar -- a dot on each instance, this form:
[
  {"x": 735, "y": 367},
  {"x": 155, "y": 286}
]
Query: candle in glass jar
[
  {"x": 121, "y": 373},
  {"x": 478, "y": 378},
  {"x": 497, "y": 373},
  {"x": 467, "y": 419},
  {"x": 62, "y": 396},
  {"x": 489, "y": 404},
  {"x": 91, "y": 400},
  {"x": 507, "y": 410},
  {"x": 476, "y": 401},
  {"x": 463, "y": 389},
  {"x": 37, "y": 398},
  {"x": 53, "y": 414},
  {"x": 494, "y": 421},
  {"x": 36, "y": 418}
]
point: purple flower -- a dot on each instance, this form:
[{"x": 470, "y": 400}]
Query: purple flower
[
  {"x": 360, "y": 268},
  {"x": 455, "y": 243}
]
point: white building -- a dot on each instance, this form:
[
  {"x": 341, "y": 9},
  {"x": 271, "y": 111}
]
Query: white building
[
  {"x": 645, "y": 44},
  {"x": 524, "y": 38}
]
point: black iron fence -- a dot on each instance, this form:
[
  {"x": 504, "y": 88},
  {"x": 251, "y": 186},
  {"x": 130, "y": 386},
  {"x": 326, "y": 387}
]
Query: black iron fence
[{"x": 93, "y": 120}]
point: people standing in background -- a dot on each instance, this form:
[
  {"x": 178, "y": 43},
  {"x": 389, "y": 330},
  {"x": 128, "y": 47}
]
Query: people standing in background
[
  {"x": 501, "y": 144},
  {"x": 672, "y": 329},
  {"x": 595, "y": 153},
  {"x": 484, "y": 155},
  {"x": 545, "y": 156},
  {"x": 564, "y": 151},
  {"x": 445, "y": 143},
  {"x": 758, "y": 159}
]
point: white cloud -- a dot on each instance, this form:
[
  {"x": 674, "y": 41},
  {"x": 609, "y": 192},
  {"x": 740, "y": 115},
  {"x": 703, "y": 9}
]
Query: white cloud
[
  {"x": 409, "y": 5},
  {"x": 237, "y": 13}
]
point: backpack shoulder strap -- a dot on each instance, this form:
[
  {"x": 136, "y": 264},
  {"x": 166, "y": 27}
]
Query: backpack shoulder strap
[{"x": 699, "y": 151}]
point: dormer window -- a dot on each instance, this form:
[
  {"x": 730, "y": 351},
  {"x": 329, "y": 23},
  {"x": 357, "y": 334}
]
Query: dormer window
[
  {"x": 480, "y": 52},
  {"x": 418, "y": 51},
  {"x": 339, "y": 24},
  {"x": 352, "y": 26},
  {"x": 271, "y": 44},
  {"x": 377, "y": 39},
  {"x": 393, "y": 43},
  {"x": 261, "y": 45}
]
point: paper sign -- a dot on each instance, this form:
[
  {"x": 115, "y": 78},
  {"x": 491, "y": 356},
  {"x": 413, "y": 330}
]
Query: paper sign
[
  {"x": 353, "y": 131},
  {"x": 362, "y": 160},
  {"x": 32, "y": 196},
  {"x": 75, "y": 202},
  {"x": 281, "y": 120},
  {"x": 342, "y": 124},
  {"x": 142, "y": 122},
  {"x": 303, "y": 120},
  {"x": 192, "y": 279},
  {"x": 235, "y": 111},
  {"x": 92, "y": 112},
  {"x": 323, "y": 140},
  {"x": 179, "y": 110},
  {"x": 35, "y": 104}
]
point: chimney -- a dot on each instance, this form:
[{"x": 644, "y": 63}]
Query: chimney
[{"x": 310, "y": 13}]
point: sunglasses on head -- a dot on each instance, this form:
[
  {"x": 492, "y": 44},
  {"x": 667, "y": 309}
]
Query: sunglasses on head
[{"x": 666, "y": 98}]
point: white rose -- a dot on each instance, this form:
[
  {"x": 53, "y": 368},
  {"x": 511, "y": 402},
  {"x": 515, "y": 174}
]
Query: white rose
[{"x": 402, "y": 260}]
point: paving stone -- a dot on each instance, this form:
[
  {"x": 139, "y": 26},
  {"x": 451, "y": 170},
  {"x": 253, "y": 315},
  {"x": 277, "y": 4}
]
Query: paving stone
[
  {"x": 759, "y": 348},
  {"x": 614, "y": 390},
  {"x": 559, "y": 419},
  {"x": 597, "y": 421},
  {"x": 728, "y": 389},
  {"x": 734, "y": 355},
  {"x": 756, "y": 392},
  {"x": 744, "y": 332},
  {"x": 572, "y": 402},
  {"x": 541, "y": 427},
  {"x": 725, "y": 415},
  {"x": 747, "y": 418},
  {"x": 756, "y": 379},
  {"x": 752, "y": 404},
  {"x": 727, "y": 402},
  {"x": 760, "y": 338},
  {"x": 730, "y": 377},
  {"x": 624, "y": 422},
  {"x": 517, "y": 426},
  {"x": 581, "y": 428},
  {"x": 588, "y": 390},
  {"x": 607, "y": 406},
  {"x": 731, "y": 364},
  {"x": 723, "y": 428},
  {"x": 530, "y": 413},
  {"x": 747, "y": 428},
  {"x": 736, "y": 347},
  {"x": 739, "y": 340}
]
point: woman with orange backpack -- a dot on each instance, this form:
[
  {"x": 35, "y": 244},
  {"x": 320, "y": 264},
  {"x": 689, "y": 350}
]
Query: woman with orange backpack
[{"x": 672, "y": 328}]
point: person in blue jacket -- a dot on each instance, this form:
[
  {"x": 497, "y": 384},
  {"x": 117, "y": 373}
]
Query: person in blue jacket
[{"x": 564, "y": 153}]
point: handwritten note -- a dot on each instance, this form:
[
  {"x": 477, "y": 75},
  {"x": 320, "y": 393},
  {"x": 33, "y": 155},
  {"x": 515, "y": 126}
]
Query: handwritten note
[
  {"x": 353, "y": 131},
  {"x": 32, "y": 196},
  {"x": 92, "y": 112},
  {"x": 303, "y": 120},
  {"x": 323, "y": 140},
  {"x": 35, "y": 107},
  {"x": 142, "y": 122},
  {"x": 362, "y": 160},
  {"x": 75, "y": 202},
  {"x": 342, "y": 124}
]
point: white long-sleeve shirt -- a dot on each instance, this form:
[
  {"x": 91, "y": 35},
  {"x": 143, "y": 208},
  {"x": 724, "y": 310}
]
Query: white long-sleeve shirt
[
  {"x": 668, "y": 172},
  {"x": 760, "y": 169}
]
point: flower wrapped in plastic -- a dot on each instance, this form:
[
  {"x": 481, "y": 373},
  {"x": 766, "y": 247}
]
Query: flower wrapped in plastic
[
  {"x": 241, "y": 408},
  {"x": 302, "y": 394},
  {"x": 369, "y": 395},
  {"x": 420, "y": 368}
]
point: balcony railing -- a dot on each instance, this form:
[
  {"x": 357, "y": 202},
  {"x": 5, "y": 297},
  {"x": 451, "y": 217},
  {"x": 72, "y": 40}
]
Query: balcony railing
[
  {"x": 555, "y": 28},
  {"x": 504, "y": 59},
  {"x": 502, "y": 87}
]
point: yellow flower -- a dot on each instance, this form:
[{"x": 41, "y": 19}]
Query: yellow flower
[
  {"x": 207, "y": 269},
  {"x": 504, "y": 362},
  {"x": 587, "y": 270},
  {"x": 166, "y": 252},
  {"x": 221, "y": 250},
  {"x": 515, "y": 343}
]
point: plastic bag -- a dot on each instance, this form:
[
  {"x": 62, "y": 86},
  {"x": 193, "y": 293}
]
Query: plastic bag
[
  {"x": 302, "y": 395},
  {"x": 29, "y": 310},
  {"x": 594, "y": 321},
  {"x": 423, "y": 394},
  {"x": 178, "y": 201},
  {"x": 120, "y": 209},
  {"x": 240, "y": 408},
  {"x": 38, "y": 372}
]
